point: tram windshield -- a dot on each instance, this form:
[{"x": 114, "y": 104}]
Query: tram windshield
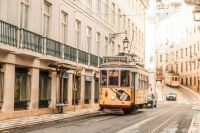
[
  {"x": 113, "y": 76},
  {"x": 125, "y": 78}
]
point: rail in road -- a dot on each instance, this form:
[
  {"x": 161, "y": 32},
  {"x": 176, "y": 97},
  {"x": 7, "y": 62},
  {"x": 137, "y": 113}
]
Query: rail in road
[{"x": 168, "y": 117}]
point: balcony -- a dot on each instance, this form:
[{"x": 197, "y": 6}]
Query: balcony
[
  {"x": 70, "y": 53},
  {"x": 43, "y": 45},
  {"x": 53, "y": 48},
  {"x": 100, "y": 60},
  {"x": 82, "y": 57},
  {"x": 8, "y": 34},
  {"x": 31, "y": 41},
  {"x": 93, "y": 60}
]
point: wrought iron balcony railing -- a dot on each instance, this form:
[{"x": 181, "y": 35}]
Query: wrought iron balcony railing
[
  {"x": 100, "y": 60},
  {"x": 37, "y": 43},
  {"x": 31, "y": 41},
  {"x": 53, "y": 48},
  {"x": 93, "y": 60},
  {"x": 8, "y": 33},
  {"x": 70, "y": 53},
  {"x": 83, "y": 57}
]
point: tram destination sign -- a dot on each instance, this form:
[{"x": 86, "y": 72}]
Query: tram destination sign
[{"x": 115, "y": 59}]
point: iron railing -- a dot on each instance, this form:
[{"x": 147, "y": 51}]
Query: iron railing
[
  {"x": 31, "y": 41},
  {"x": 93, "y": 60},
  {"x": 53, "y": 48},
  {"x": 70, "y": 53},
  {"x": 37, "y": 43},
  {"x": 100, "y": 60},
  {"x": 1, "y": 86},
  {"x": 8, "y": 33},
  {"x": 82, "y": 57}
]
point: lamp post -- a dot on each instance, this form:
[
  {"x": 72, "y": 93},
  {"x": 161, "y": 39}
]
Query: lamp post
[
  {"x": 125, "y": 41},
  {"x": 198, "y": 82}
]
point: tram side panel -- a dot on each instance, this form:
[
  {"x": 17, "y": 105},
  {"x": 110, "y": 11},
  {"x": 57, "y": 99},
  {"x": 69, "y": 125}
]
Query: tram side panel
[
  {"x": 140, "y": 91},
  {"x": 115, "y": 98}
]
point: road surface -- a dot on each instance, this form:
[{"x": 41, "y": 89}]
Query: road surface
[{"x": 168, "y": 117}]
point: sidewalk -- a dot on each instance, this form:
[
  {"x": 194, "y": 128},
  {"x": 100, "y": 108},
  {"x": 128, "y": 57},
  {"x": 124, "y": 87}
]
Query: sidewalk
[
  {"x": 195, "y": 123},
  {"x": 34, "y": 120}
]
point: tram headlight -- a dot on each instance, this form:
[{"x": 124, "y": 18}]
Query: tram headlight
[{"x": 113, "y": 97}]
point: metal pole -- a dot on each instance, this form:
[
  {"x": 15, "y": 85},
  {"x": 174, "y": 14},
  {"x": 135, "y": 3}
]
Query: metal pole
[
  {"x": 61, "y": 92},
  {"x": 74, "y": 92},
  {"x": 197, "y": 73}
]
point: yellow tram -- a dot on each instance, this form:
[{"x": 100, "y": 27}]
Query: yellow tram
[{"x": 123, "y": 84}]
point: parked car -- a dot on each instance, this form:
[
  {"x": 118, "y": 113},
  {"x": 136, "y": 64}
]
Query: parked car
[
  {"x": 171, "y": 96},
  {"x": 151, "y": 100}
]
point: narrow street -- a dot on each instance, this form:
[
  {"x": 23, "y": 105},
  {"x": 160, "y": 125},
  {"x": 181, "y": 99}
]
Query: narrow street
[{"x": 168, "y": 117}]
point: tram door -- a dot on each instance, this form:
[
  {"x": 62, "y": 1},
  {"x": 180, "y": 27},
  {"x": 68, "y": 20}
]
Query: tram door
[
  {"x": 65, "y": 90},
  {"x": 88, "y": 82}
]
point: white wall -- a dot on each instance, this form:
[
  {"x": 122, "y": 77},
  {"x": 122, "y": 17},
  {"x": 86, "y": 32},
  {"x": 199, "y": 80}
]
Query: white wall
[{"x": 78, "y": 9}]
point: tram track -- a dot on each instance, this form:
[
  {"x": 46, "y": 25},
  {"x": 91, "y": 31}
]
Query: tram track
[
  {"x": 106, "y": 122},
  {"x": 91, "y": 119},
  {"x": 163, "y": 123},
  {"x": 150, "y": 118}
]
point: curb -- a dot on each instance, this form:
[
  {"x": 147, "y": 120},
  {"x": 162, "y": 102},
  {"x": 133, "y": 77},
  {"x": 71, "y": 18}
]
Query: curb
[
  {"x": 50, "y": 121},
  {"x": 190, "y": 130}
]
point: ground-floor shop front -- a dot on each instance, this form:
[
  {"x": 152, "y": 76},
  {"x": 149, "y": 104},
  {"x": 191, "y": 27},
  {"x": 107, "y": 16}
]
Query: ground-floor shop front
[
  {"x": 29, "y": 87},
  {"x": 192, "y": 81}
]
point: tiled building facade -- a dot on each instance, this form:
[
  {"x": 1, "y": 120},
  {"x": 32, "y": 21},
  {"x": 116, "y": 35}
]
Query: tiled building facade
[{"x": 36, "y": 33}]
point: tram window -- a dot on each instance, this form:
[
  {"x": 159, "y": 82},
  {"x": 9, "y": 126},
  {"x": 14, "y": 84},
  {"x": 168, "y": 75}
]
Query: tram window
[
  {"x": 113, "y": 77},
  {"x": 104, "y": 78},
  {"x": 125, "y": 78}
]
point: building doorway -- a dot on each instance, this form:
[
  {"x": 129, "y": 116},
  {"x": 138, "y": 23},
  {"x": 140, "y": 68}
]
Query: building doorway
[
  {"x": 1, "y": 88},
  {"x": 88, "y": 82},
  {"x": 96, "y": 91},
  {"x": 22, "y": 88},
  {"x": 44, "y": 89},
  {"x": 65, "y": 90}
]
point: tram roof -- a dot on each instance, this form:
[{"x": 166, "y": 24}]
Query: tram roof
[
  {"x": 121, "y": 65},
  {"x": 173, "y": 74},
  {"x": 116, "y": 64}
]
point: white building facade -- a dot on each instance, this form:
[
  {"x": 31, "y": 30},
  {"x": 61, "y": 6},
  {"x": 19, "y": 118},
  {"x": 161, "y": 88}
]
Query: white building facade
[
  {"x": 179, "y": 51},
  {"x": 37, "y": 33}
]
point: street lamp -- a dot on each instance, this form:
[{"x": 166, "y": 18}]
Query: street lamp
[
  {"x": 125, "y": 41},
  {"x": 196, "y": 15}
]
